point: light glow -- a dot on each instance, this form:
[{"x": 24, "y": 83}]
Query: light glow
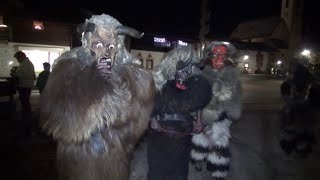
[
  {"x": 38, "y": 25},
  {"x": 2, "y": 25},
  {"x": 182, "y": 43},
  {"x": 10, "y": 63},
  {"x": 305, "y": 52},
  {"x": 279, "y": 62},
  {"x": 160, "y": 40},
  {"x": 245, "y": 57}
]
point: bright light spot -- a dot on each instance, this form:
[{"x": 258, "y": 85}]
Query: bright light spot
[
  {"x": 37, "y": 27},
  {"x": 246, "y": 65},
  {"x": 161, "y": 40},
  {"x": 305, "y": 52},
  {"x": 279, "y": 62},
  {"x": 245, "y": 57},
  {"x": 11, "y": 62},
  {"x": 3, "y": 25},
  {"x": 226, "y": 43},
  {"x": 182, "y": 43},
  {"x": 203, "y": 46}
]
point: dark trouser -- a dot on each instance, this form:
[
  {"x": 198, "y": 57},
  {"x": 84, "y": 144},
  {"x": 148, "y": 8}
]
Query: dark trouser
[
  {"x": 168, "y": 156},
  {"x": 24, "y": 96}
]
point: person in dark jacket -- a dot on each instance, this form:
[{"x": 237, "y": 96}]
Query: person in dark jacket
[
  {"x": 298, "y": 121},
  {"x": 182, "y": 93},
  {"x": 43, "y": 77}
]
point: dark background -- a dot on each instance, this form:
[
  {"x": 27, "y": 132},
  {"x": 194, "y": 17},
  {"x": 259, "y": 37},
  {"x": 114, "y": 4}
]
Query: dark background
[{"x": 168, "y": 17}]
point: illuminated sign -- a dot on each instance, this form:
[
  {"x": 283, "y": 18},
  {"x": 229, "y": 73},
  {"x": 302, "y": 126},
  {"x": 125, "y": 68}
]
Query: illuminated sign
[
  {"x": 162, "y": 42},
  {"x": 159, "y": 40},
  {"x": 182, "y": 43}
]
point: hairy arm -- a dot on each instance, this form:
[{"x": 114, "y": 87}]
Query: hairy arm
[{"x": 71, "y": 102}]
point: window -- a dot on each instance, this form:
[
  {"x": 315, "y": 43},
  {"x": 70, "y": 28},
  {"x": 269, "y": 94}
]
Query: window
[
  {"x": 139, "y": 56},
  {"x": 149, "y": 62}
]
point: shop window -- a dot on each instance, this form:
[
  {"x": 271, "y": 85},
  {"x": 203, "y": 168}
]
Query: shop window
[{"x": 38, "y": 57}]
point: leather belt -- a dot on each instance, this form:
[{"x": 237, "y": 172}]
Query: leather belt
[{"x": 174, "y": 117}]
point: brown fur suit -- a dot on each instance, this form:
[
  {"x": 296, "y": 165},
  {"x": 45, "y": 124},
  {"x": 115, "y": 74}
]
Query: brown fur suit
[{"x": 96, "y": 112}]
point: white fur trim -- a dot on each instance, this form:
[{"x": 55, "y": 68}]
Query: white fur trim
[
  {"x": 223, "y": 93},
  {"x": 197, "y": 155},
  {"x": 219, "y": 174},
  {"x": 220, "y": 133},
  {"x": 200, "y": 140},
  {"x": 213, "y": 158}
]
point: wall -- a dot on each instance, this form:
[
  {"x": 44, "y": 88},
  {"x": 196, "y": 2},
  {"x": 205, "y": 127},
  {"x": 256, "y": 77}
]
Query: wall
[
  {"x": 54, "y": 33},
  {"x": 6, "y": 55},
  {"x": 252, "y": 61},
  {"x": 157, "y": 56}
]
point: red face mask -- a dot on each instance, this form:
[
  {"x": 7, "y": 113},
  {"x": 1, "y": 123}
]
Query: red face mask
[{"x": 219, "y": 55}]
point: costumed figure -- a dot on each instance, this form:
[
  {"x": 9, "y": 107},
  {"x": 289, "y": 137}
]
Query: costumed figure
[
  {"x": 96, "y": 105},
  {"x": 181, "y": 94},
  {"x": 211, "y": 147},
  {"x": 298, "y": 121}
]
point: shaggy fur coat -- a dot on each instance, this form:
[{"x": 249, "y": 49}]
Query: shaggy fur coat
[
  {"x": 96, "y": 121},
  {"x": 212, "y": 145},
  {"x": 173, "y": 100}
]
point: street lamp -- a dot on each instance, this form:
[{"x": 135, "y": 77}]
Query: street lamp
[
  {"x": 279, "y": 62},
  {"x": 245, "y": 57}
]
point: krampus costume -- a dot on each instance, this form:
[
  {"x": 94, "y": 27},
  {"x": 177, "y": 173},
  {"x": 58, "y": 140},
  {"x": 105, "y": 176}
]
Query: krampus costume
[
  {"x": 182, "y": 93},
  {"x": 298, "y": 120},
  {"x": 96, "y": 105},
  {"x": 212, "y": 145}
]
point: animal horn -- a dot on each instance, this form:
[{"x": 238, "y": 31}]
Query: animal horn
[{"x": 125, "y": 30}]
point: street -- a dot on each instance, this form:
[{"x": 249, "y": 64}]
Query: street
[{"x": 256, "y": 154}]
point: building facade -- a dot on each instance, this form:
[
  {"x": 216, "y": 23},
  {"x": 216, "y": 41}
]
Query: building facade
[
  {"x": 278, "y": 39},
  {"x": 42, "y": 41},
  {"x": 151, "y": 48}
]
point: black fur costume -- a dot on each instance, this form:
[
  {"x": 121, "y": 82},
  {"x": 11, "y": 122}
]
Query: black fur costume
[{"x": 168, "y": 153}]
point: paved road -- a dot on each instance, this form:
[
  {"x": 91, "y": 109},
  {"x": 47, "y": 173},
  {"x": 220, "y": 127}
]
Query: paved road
[{"x": 256, "y": 154}]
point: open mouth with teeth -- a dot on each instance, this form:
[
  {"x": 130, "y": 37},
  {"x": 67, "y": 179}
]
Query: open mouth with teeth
[
  {"x": 180, "y": 84},
  {"x": 105, "y": 65}
]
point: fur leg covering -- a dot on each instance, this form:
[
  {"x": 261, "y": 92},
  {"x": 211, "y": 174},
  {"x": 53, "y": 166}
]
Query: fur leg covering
[{"x": 211, "y": 147}]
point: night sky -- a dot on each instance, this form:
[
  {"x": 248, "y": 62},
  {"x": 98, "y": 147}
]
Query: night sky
[{"x": 171, "y": 17}]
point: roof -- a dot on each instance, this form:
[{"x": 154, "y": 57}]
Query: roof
[
  {"x": 256, "y": 28},
  {"x": 254, "y": 46}
]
